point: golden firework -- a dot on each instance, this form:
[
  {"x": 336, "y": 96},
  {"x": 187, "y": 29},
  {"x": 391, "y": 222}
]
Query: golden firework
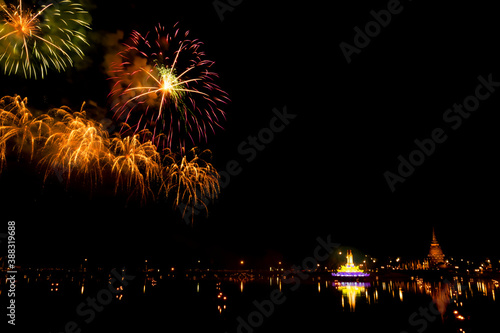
[
  {"x": 190, "y": 179},
  {"x": 70, "y": 145},
  {"x": 18, "y": 125},
  {"x": 134, "y": 164},
  {"x": 76, "y": 146}
]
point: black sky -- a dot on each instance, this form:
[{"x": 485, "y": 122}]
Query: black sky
[{"x": 323, "y": 174}]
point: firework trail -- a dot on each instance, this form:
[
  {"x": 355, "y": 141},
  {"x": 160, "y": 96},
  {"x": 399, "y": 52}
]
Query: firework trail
[
  {"x": 190, "y": 179},
  {"x": 165, "y": 84},
  {"x": 135, "y": 165},
  {"x": 31, "y": 41},
  {"x": 76, "y": 146},
  {"x": 18, "y": 125},
  {"x": 68, "y": 143}
]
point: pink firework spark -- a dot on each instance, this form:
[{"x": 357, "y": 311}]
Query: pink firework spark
[{"x": 165, "y": 85}]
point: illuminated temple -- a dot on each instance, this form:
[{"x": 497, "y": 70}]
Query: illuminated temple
[
  {"x": 349, "y": 269},
  {"x": 436, "y": 255}
]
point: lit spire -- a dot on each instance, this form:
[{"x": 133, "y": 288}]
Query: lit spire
[
  {"x": 436, "y": 255},
  {"x": 349, "y": 269},
  {"x": 349, "y": 258}
]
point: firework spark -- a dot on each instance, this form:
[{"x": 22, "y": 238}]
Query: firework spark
[
  {"x": 18, "y": 125},
  {"x": 134, "y": 164},
  {"x": 73, "y": 145},
  {"x": 190, "y": 179},
  {"x": 31, "y": 42},
  {"x": 69, "y": 144},
  {"x": 165, "y": 85},
  {"x": 76, "y": 146}
]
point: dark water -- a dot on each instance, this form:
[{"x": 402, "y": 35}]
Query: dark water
[{"x": 244, "y": 303}]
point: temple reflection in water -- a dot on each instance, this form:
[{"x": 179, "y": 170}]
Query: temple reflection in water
[
  {"x": 450, "y": 288},
  {"x": 351, "y": 291}
]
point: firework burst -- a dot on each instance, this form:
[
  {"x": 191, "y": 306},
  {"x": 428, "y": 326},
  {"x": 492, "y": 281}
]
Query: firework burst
[
  {"x": 18, "y": 125},
  {"x": 135, "y": 165},
  {"x": 190, "y": 179},
  {"x": 76, "y": 146},
  {"x": 165, "y": 85},
  {"x": 31, "y": 41}
]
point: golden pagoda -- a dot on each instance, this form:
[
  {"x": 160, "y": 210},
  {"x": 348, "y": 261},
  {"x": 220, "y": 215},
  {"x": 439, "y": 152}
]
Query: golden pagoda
[
  {"x": 349, "y": 269},
  {"x": 436, "y": 255}
]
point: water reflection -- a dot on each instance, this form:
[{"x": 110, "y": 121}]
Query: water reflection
[
  {"x": 54, "y": 286},
  {"x": 222, "y": 297},
  {"x": 441, "y": 296},
  {"x": 452, "y": 299},
  {"x": 149, "y": 281},
  {"x": 351, "y": 291}
]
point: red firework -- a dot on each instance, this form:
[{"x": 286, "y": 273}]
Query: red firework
[{"x": 164, "y": 84}]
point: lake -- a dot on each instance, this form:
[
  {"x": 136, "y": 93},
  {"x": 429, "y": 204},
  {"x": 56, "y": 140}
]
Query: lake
[{"x": 252, "y": 302}]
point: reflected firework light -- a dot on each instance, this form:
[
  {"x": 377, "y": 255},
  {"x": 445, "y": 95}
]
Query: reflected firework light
[
  {"x": 31, "y": 41},
  {"x": 164, "y": 84}
]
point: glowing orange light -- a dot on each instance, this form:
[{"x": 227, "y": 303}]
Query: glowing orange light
[
  {"x": 73, "y": 147},
  {"x": 190, "y": 179}
]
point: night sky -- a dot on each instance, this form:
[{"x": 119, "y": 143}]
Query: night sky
[{"x": 324, "y": 172}]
